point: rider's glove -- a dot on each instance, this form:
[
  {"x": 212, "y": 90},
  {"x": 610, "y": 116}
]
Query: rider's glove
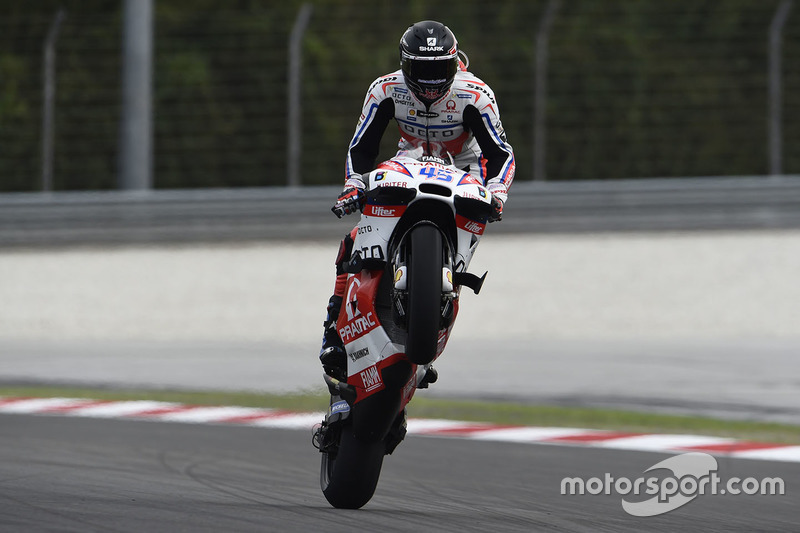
[
  {"x": 352, "y": 198},
  {"x": 499, "y": 195},
  {"x": 497, "y": 209}
]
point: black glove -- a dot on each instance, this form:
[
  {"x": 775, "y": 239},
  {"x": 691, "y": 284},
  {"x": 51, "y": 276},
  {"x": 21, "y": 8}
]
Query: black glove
[
  {"x": 351, "y": 200},
  {"x": 497, "y": 209}
]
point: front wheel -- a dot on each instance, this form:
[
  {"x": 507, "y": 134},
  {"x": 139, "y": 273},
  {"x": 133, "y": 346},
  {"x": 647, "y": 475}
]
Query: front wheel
[
  {"x": 349, "y": 476},
  {"x": 425, "y": 260}
]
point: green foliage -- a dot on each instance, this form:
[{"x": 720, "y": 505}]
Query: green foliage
[
  {"x": 15, "y": 114},
  {"x": 636, "y": 88}
]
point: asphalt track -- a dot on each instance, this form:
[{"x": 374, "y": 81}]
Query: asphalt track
[{"x": 83, "y": 475}]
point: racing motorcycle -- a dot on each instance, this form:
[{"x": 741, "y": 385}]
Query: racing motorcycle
[{"x": 421, "y": 223}]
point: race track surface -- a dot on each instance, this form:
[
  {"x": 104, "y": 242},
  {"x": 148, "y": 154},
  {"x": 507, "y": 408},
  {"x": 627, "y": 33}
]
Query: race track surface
[{"x": 71, "y": 474}]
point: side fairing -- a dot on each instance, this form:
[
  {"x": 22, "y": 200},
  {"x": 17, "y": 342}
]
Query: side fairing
[{"x": 368, "y": 347}]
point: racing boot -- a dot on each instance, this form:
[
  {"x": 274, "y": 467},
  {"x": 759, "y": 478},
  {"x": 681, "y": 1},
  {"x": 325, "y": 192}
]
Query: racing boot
[
  {"x": 397, "y": 432},
  {"x": 332, "y": 354},
  {"x": 431, "y": 376}
]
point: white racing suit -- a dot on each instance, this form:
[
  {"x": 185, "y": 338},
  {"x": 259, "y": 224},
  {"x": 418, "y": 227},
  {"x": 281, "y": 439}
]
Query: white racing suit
[{"x": 464, "y": 123}]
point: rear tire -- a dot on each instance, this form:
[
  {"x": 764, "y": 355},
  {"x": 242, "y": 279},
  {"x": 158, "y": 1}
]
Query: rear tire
[
  {"x": 349, "y": 479},
  {"x": 424, "y": 293}
]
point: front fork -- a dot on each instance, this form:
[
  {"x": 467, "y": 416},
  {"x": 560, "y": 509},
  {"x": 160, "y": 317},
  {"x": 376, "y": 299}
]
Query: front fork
[{"x": 399, "y": 291}]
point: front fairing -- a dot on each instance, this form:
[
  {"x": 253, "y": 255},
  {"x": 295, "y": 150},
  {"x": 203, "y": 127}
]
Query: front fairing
[
  {"x": 402, "y": 193},
  {"x": 407, "y": 181}
]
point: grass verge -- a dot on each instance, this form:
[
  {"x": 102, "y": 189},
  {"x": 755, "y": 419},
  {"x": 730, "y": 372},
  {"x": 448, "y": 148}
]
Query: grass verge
[{"x": 474, "y": 411}]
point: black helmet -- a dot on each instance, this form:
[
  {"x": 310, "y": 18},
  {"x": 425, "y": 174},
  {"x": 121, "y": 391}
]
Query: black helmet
[{"x": 429, "y": 59}]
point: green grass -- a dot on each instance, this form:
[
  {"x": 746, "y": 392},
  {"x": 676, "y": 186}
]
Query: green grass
[{"x": 475, "y": 411}]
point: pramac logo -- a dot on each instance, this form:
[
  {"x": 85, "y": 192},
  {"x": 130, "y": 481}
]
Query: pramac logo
[
  {"x": 357, "y": 323},
  {"x": 352, "y": 304}
]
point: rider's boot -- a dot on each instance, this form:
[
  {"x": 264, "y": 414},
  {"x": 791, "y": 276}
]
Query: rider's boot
[
  {"x": 397, "y": 432},
  {"x": 332, "y": 354},
  {"x": 431, "y": 376}
]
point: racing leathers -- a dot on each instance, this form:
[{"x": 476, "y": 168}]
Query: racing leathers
[{"x": 464, "y": 123}]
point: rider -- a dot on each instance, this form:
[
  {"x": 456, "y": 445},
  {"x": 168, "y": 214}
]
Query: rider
[{"x": 440, "y": 108}]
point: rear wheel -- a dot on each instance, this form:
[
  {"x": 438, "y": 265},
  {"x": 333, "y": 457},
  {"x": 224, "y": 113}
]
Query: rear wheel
[
  {"x": 349, "y": 476},
  {"x": 425, "y": 260}
]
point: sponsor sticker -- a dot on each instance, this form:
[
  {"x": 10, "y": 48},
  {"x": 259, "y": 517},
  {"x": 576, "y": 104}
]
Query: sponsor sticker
[
  {"x": 393, "y": 165},
  {"x": 357, "y": 327},
  {"x": 470, "y": 225},
  {"x": 339, "y": 407},
  {"x": 371, "y": 379},
  {"x": 383, "y": 211},
  {"x": 358, "y": 354}
]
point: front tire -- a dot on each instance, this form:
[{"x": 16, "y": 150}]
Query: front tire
[
  {"x": 425, "y": 260},
  {"x": 349, "y": 478}
]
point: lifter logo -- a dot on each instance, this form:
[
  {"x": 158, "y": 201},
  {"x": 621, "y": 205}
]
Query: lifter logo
[
  {"x": 473, "y": 227},
  {"x": 470, "y": 225},
  {"x": 379, "y": 211}
]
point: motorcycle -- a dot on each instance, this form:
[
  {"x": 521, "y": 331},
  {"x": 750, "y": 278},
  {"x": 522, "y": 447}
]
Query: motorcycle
[{"x": 420, "y": 226}]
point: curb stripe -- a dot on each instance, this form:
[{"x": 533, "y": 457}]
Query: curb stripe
[
  {"x": 117, "y": 409},
  {"x": 663, "y": 442},
  {"x": 464, "y": 430},
  {"x": 594, "y": 437},
  {"x": 256, "y": 417},
  {"x": 526, "y": 434},
  {"x": 6, "y": 401},
  {"x": 738, "y": 446},
  {"x": 783, "y": 453},
  {"x": 74, "y": 407},
  {"x": 277, "y": 418},
  {"x": 160, "y": 412}
]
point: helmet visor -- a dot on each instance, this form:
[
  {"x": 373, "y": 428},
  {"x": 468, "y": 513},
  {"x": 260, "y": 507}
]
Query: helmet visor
[
  {"x": 430, "y": 78},
  {"x": 431, "y": 72}
]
